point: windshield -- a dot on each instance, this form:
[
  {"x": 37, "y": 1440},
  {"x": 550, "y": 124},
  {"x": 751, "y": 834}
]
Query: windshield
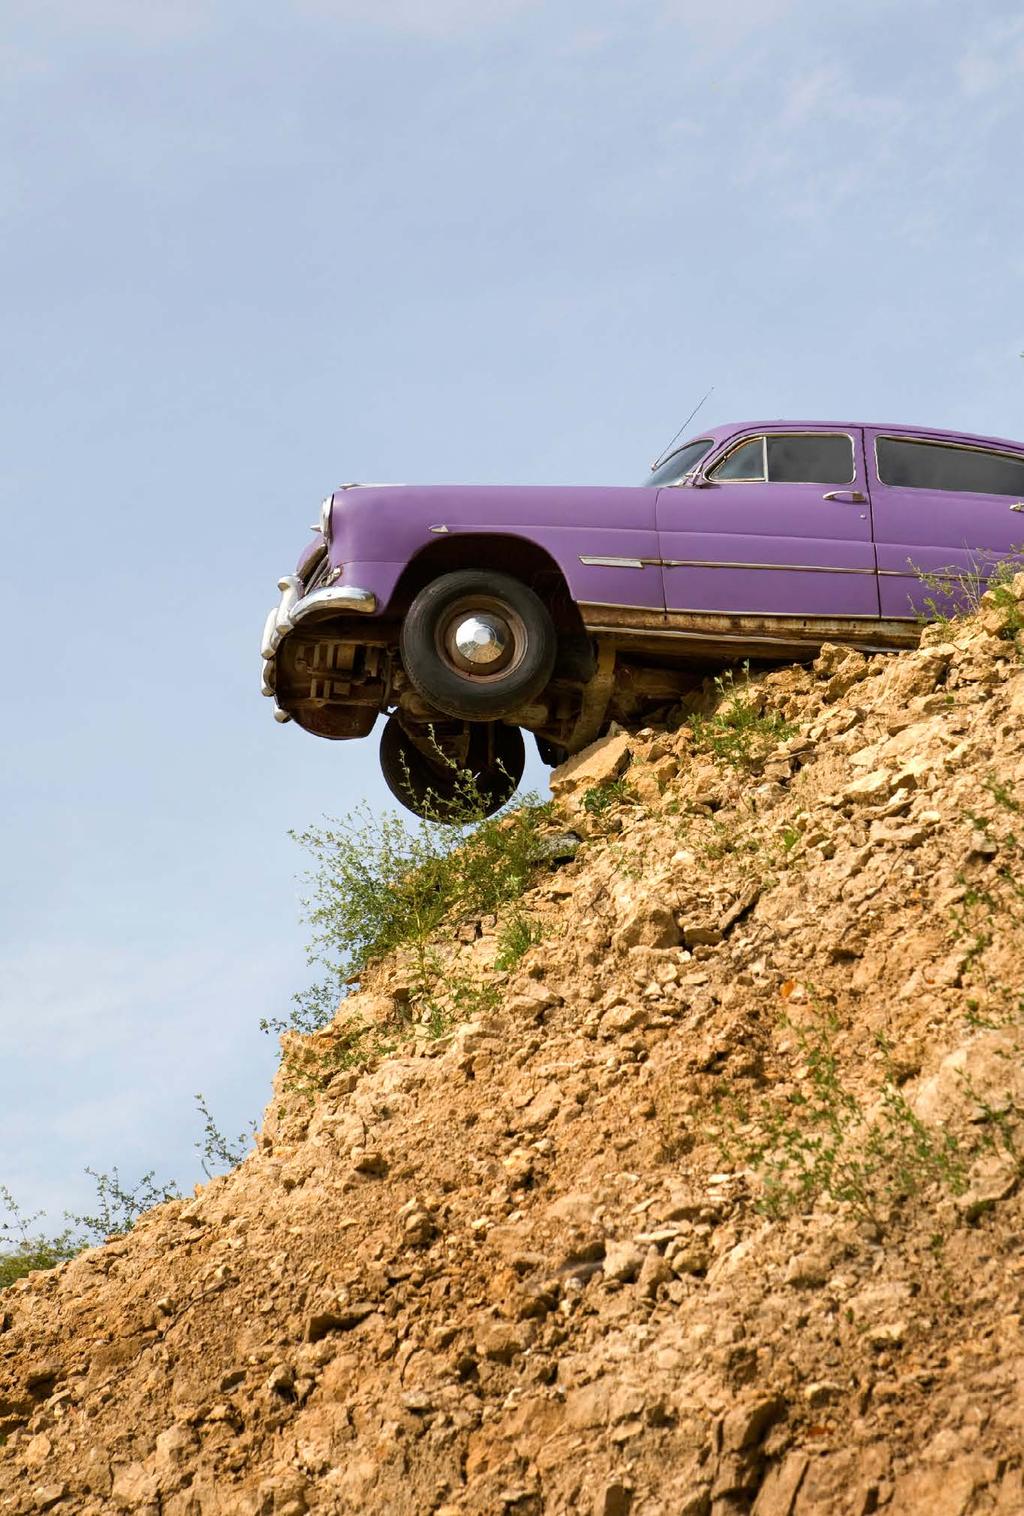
[{"x": 682, "y": 461}]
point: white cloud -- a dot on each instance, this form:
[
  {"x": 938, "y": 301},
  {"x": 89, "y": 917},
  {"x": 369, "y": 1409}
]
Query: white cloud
[
  {"x": 810, "y": 95},
  {"x": 424, "y": 18},
  {"x": 720, "y": 21},
  {"x": 994, "y": 61},
  {"x": 148, "y": 24},
  {"x": 18, "y": 63},
  {"x": 133, "y": 21},
  {"x": 826, "y": 92}
]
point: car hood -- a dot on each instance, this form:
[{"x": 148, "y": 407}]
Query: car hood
[{"x": 507, "y": 506}]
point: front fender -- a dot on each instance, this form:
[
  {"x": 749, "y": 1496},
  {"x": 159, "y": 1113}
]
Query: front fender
[{"x": 604, "y": 540}]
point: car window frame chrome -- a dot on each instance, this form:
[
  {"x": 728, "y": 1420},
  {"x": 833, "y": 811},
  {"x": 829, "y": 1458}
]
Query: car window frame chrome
[
  {"x": 761, "y": 478},
  {"x": 736, "y": 443}
]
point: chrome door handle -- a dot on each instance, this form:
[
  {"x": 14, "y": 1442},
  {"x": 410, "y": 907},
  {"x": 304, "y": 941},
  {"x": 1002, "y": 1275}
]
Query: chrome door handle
[{"x": 856, "y": 497}]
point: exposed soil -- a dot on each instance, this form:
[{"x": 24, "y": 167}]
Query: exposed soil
[{"x": 588, "y": 1252}]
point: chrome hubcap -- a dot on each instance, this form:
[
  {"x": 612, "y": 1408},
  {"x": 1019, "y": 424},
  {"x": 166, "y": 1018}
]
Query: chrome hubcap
[{"x": 481, "y": 640}]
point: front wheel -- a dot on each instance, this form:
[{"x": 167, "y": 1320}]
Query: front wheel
[
  {"x": 443, "y": 787},
  {"x": 478, "y": 645}
]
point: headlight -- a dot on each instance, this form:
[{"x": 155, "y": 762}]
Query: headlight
[{"x": 325, "y": 517}]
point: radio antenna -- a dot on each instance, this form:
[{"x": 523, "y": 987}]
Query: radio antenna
[{"x": 665, "y": 451}]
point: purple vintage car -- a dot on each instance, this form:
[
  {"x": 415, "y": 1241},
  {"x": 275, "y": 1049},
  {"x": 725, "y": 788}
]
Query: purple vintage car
[{"x": 466, "y": 613}]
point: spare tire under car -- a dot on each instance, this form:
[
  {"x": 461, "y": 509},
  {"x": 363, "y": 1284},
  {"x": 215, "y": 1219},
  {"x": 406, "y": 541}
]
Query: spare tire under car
[{"x": 438, "y": 790}]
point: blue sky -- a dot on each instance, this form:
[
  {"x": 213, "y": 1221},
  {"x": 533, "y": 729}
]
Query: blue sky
[{"x": 251, "y": 250}]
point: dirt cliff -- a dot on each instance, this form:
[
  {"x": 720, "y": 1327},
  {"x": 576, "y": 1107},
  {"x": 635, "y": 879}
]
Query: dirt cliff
[{"x": 711, "y": 1207}]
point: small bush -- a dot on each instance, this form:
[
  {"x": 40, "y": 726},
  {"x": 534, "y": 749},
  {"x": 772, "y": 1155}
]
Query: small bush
[
  {"x": 601, "y": 797},
  {"x": 216, "y": 1151},
  {"x": 118, "y": 1208},
  {"x": 959, "y": 592},
  {"x": 991, "y": 908},
  {"x": 455, "y": 998},
  {"x": 22, "y": 1249},
  {"x": 517, "y": 936},
  {"x": 823, "y": 1140},
  {"x": 384, "y": 882},
  {"x": 738, "y": 732}
]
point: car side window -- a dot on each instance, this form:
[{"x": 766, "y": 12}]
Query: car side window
[
  {"x": 811, "y": 458},
  {"x": 744, "y": 462},
  {"x": 910, "y": 464}
]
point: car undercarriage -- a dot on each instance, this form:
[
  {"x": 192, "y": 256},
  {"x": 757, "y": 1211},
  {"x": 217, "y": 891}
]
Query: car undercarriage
[{"x": 334, "y": 676}]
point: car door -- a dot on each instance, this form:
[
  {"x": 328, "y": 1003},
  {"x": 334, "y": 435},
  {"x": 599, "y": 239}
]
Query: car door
[
  {"x": 777, "y": 523},
  {"x": 942, "y": 506}
]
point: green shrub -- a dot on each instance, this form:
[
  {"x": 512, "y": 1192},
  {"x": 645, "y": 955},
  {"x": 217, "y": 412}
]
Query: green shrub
[
  {"x": 386, "y": 882},
  {"x": 119, "y": 1208},
  {"x": 601, "y": 797},
  {"x": 23, "y": 1249},
  {"x": 382, "y": 883},
  {"x": 822, "y": 1139},
  {"x": 738, "y": 732},
  {"x": 217, "y": 1152},
  {"x": 517, "y": 936},
  {"x": 991, "y": 909},
  {"x": 1006, "y": 601},
  {"x": 959, "y": 592}
]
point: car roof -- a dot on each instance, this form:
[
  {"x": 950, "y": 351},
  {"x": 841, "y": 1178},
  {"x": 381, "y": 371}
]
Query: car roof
[{"x": 730, "y": 428}]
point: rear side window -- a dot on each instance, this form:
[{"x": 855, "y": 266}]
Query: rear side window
[
  {"x": 936, "y": 466},
  {"x": 798, "y": 458}
]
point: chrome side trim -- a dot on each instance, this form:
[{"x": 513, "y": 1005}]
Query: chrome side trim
[
  {"x": 439, "y": 528},
  {"x": 609, "y": 561},
  {"x": 615, "y": 605},
  {"x": 358, "y": 484},
  {"x": 708, "y": 563},
  {"x": 791, "y": 568},
  {"x": 952, "y": 573}
]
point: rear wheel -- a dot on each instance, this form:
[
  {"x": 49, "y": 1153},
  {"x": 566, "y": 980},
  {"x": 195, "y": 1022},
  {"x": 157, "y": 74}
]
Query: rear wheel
[
  {"x": 478, "y": 645},
  {"x": 479, "y": 771}
]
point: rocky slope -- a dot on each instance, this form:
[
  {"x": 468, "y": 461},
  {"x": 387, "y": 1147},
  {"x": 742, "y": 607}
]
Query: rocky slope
[{"x": 711, "y": 1208}]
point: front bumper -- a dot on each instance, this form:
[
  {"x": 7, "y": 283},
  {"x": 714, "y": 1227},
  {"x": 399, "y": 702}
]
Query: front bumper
[{"x": 294, "y": 608}]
